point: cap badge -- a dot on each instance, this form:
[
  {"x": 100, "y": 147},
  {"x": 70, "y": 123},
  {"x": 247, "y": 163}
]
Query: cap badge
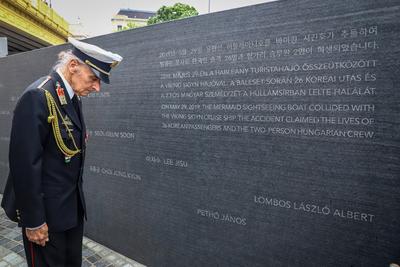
[{"x": 114, "y": 64}]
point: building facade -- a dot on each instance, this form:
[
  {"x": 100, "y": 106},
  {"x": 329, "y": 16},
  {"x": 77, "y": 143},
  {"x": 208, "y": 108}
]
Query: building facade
[{"x": 129, "y": 18}]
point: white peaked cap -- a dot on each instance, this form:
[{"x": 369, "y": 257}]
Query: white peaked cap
[{"x": 100, "y": 60}]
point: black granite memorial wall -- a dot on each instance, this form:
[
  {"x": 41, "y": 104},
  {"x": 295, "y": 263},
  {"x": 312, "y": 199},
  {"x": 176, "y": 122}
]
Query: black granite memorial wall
[{"x": 260, "y": 136}]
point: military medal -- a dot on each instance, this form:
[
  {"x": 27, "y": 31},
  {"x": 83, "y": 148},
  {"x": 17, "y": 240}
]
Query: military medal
[
  {"x": 68, "y": 123},
  {"x": 61, "y": 94},
  {"x": 67, "y": 159}
]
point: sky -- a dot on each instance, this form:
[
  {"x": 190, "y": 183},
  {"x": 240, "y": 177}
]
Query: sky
[{"x": 95, "y": 15}]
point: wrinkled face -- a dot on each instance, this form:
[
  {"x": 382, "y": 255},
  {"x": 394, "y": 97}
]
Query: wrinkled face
[{"x": 82, "y": 79}]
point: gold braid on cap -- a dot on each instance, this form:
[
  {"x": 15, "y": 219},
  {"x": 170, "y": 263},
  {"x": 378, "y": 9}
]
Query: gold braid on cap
[{"x": 97, "y": 68}]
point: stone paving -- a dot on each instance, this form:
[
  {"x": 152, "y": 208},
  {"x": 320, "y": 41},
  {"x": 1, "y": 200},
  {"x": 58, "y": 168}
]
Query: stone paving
[{"x": 94, "y": 255}]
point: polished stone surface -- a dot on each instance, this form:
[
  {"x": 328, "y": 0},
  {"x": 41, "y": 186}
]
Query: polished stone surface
[{"x": 262, "y": 136}]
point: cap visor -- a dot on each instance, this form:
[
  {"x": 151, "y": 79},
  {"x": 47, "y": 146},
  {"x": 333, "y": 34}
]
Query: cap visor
[{"x": 104, "y": 78}]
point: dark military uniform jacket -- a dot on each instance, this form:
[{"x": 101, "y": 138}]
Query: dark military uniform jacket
[{"x": 47, "y": 187}]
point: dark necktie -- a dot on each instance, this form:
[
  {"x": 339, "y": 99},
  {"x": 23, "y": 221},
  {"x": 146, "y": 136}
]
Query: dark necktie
[{"x": 76, "y": 105}]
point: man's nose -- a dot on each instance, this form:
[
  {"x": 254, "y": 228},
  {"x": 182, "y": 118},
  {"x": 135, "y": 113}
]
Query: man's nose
[{"x": 96, "y": 86}]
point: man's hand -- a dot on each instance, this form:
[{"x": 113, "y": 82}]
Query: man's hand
[{"x": 39, "y": 236}]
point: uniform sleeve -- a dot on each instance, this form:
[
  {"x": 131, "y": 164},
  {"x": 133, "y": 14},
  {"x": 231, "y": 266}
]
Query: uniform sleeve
[{"x": 28, "y": 136}]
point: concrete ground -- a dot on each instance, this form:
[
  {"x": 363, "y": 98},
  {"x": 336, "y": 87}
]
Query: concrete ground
[{"x": 12, "y": 250}]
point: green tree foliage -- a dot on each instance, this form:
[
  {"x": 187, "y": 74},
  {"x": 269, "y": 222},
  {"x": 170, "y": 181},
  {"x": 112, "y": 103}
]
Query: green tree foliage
[{"x": 177, "y": 11}]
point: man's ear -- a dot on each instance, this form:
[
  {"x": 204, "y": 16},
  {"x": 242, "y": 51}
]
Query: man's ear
[{"x": 73, "y": 66}]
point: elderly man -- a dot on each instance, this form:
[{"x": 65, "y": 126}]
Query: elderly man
[{"x": 47, "y": 149}]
